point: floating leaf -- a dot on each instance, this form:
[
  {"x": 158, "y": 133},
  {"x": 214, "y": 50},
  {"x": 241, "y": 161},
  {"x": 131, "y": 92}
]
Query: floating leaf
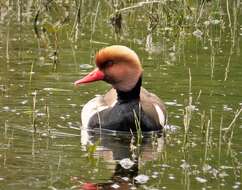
[
  {"x": 115, "y": 186},
  {"x": 198, "y": 33},
  {"x": 141, "y": 178},
  {"x": 201, "y": 180},
  {"x": 55, "y": 90},
  {"x": 126, "y": 163},
  {"x": 85, "y": 66}
]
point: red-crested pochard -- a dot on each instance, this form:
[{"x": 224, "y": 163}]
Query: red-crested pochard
[{"x": 127, "y": 105}]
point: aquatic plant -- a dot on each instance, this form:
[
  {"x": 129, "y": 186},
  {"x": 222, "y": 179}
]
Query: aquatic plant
[
  {"x": 138, "y": 131},
  {"x": 40, "y": 40},
  {"x": 34, "y": 111}
]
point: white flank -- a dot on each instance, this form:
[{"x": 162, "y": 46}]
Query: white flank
[
  {"x": 91, "y": 108},
  {"x": 161, "y": 114}
]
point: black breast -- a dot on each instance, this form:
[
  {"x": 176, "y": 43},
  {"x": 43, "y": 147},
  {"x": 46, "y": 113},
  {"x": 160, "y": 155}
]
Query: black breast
[
  {"x": 124, "y": 116},
  {"x": 127, "y": 114}
]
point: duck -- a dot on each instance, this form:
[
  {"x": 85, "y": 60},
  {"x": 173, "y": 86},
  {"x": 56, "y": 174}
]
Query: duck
[{"x": 127, "y": 106}]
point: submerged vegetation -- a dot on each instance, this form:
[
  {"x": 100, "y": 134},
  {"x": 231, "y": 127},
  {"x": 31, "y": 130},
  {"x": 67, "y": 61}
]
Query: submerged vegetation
[{"x": 191, "y": 53}]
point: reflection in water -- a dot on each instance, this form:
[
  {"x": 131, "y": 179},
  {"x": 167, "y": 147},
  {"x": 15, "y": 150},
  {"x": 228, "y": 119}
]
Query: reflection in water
[
  {"x": 125, "y": 153},
  {"x": 70, "y": 33}
]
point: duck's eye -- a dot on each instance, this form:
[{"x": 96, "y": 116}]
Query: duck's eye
[{"x": 108, "y": 63}]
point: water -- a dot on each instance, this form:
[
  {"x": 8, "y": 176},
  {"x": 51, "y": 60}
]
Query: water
[{"x": 194, "y": 68}]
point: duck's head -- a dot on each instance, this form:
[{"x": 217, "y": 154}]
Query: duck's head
[{"x": 117, "y": 65}]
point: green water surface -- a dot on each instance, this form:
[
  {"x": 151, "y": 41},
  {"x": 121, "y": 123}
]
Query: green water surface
[{"x": 191, "y": 55}]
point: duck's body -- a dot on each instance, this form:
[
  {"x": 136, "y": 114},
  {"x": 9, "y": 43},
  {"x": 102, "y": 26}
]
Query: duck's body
[
  {"x": 112, "y": 113},
  {"x": 126, "y": 106}
]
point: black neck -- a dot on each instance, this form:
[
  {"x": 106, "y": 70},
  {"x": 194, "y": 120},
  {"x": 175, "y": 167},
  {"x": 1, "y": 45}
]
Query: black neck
[{"x": 130, "y": 95}]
